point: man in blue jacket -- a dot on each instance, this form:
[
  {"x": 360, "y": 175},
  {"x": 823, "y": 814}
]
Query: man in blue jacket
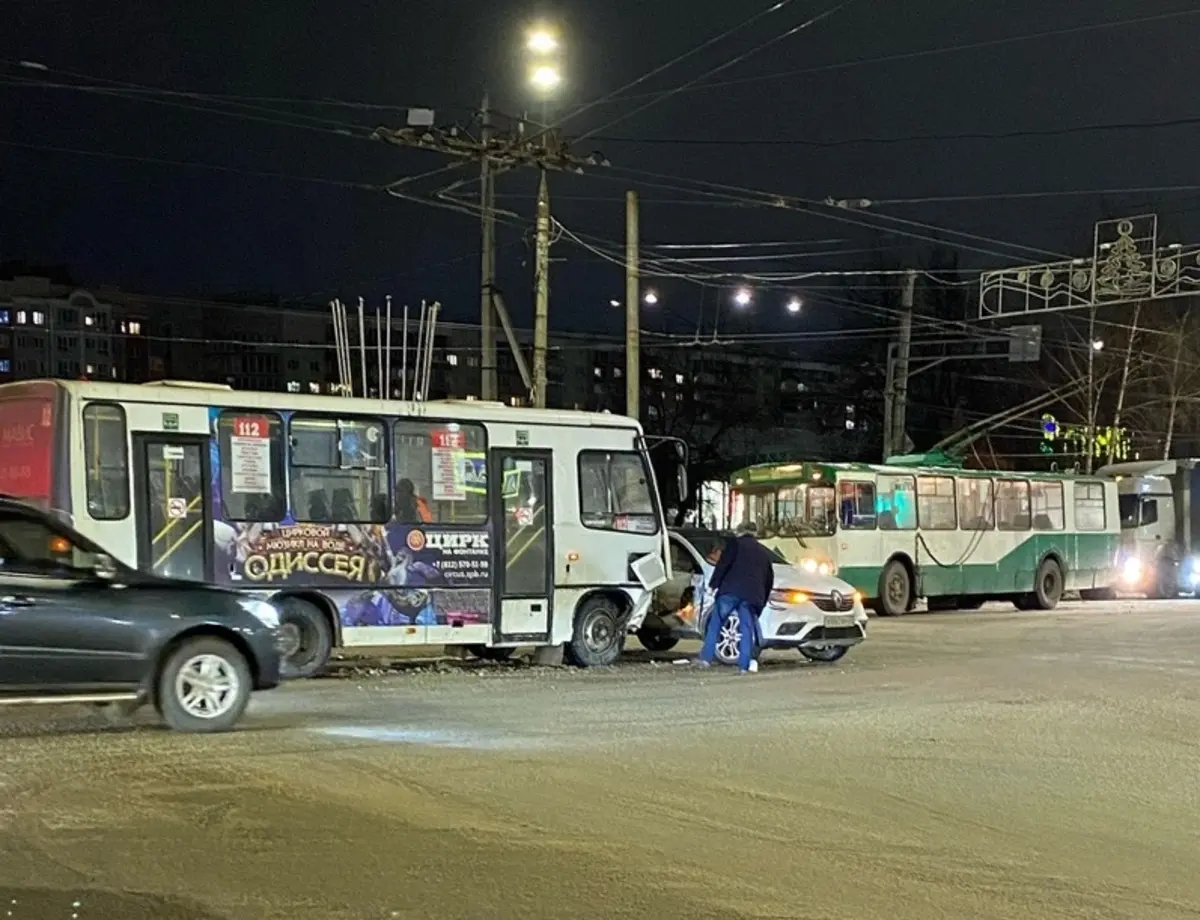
[{"x": 743, "y": 579}]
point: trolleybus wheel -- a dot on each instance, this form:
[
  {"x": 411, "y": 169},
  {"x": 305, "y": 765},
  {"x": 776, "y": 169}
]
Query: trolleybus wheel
[
  {"x": 598, "y": 636},
  {"x": 306, "y": 639},
  {"x": 1048, "y": 588},
  {"x": 895, "y": 589}
]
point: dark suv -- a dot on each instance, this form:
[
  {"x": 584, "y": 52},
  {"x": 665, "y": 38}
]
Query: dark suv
[{"x": 78, "y": 627}]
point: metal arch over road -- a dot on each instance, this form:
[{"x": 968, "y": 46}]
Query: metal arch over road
[{"x": 1128, "y": 265}]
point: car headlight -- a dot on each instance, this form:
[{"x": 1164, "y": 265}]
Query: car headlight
[
  {"x": 262, "y": 611},
  {"x": 783, "y": 597}
]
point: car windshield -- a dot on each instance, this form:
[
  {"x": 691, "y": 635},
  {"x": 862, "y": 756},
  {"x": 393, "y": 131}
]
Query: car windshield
[{"x": 709, "y": 542}]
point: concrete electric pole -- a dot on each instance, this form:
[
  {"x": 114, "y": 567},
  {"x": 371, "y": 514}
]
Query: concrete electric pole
[
  {"x": 541, "y": 304},
  {"x": 633, "y": 337},
  {"x": 895, "y": 397},
  {"x": 499, "y": 151},
  {"x": 487, "y": 274}
]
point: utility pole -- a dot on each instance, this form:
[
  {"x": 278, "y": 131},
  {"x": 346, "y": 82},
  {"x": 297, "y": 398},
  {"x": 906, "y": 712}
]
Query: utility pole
[
  {"x": 487, "y": 280},
  {"x": 500, "y": 151},
  {"x": 895, "y": 408},
  {"x": 541, "y": 297},
  {"x": 633, "y": 340}
]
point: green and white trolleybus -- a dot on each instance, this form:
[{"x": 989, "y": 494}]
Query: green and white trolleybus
[{"x": 922, "y": 527}]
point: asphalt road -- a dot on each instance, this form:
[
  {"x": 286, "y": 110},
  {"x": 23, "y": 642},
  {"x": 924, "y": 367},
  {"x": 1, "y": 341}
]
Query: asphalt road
[{"x": 955, "y": 766}]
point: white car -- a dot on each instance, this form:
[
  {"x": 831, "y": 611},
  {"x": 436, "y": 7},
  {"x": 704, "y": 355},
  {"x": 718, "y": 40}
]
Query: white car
[{"x": 819, "y": 615}]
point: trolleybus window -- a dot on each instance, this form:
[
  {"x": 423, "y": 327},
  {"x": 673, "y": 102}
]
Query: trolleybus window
[
  {"x": 614, "y": 492},
  {"x": 1089, "y": 506},
  {"x": 1012, "y": 504},
  {"x": 441, "y": 473},
  {"x": 975, "y": 509},
  {"x": 857, "y": 503},
  {"x": 897, "y": 502},
  {"x": 339, "y": 471},
  {"x": 106, "y": 461},
  {"x": 935, "y": 502},
  {"x": 1047, "y": 500},
  {"x": 252, "y": 482}
]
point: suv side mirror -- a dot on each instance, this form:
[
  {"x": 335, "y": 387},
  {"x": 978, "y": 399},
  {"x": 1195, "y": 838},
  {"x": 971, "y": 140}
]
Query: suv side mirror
[
  {"x": 681, "y": 482},
  {"x": 105, "y": 567}
]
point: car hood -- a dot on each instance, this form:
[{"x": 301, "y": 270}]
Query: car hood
[{"x": 794, "y": 578}]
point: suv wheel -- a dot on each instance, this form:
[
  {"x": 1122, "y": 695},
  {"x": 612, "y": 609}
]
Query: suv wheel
[{"x": 204, "y": 686}]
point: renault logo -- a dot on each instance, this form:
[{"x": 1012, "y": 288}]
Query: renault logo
[{"x": 836, "y": 597}]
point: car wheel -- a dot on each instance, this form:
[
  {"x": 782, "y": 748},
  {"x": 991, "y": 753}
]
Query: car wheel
[
  {"x": 489, "y": 653},
  {"x": 895, "y": 589},
  {"x": 729, "y": 639},
  {"x": 1048, "y": 588},
  {"x": 1098, "y": 594},
  {"x": 825, "y": 653},
  {"x": 598, "y": 638},
  {"x": 204, "y": 686},
  {"x": 656, "y": 640},
  {"x": 305, "y": 639}
]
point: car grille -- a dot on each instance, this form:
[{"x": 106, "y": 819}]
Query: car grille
[{"x": 826, "y": 603}]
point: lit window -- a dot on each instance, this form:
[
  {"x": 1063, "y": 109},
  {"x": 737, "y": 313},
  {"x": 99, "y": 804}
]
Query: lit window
[
  {"x": 89, "y": 320},
  {"x": 91, "y": 369},
  {"x": 599, "y": 372},
  {"x": 39, "y": 318},
  {"x": 135, "y": 328},
  {"x": 124, "y": 327},
  {"x": 452, "y": 360},
  {"x": 5, "y": 366},
  {"x": 293, "y": 386},
  {"x": 679, "y": 378},
  {"x": 655, "y": 373},
  {"x": 516, "y": 401},
  {"x": 314, "y": 388},
  {"x": 22, "y": 317},
  {"x": 616, "y": 372},
  {"x": 4, "y": 317},
  {"x": 113, "y": 372}
]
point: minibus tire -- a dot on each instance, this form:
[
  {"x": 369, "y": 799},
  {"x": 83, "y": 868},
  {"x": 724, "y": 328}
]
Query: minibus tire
[
  {"x": 599, "y": 636},
  {"x": 316, "y": 638}
]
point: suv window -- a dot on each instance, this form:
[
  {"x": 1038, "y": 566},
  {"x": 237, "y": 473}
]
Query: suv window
[{"x": 28, "y": 544}]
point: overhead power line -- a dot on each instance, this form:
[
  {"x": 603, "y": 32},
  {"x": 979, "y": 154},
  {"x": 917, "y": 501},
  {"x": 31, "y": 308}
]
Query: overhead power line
[{"x": 933, "y": 52}]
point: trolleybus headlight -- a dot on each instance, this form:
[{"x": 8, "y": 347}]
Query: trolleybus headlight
[
  {"x": 1131, "y": 570},
  {"x": 262, "y": 611}
]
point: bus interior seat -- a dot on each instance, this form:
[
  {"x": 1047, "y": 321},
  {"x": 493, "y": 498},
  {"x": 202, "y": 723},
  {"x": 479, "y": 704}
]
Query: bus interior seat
[
  {"x": 344, "y": 506},
  {"x": 1042, "y": 522},
  {"x": 318, "y": 507},
  {"x": 887, "y": 521}
]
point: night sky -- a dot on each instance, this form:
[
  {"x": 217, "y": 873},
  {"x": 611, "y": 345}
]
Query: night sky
[{"x": 172, "y": 228}]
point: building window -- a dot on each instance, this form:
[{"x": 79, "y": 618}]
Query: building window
[
  {"x": 135, "y": 328},
  {"x": 90, "y": 369},
  {"x": 39, "y": 318},
  {"x": 856, "y": 505},
  {"x": 22, "y": 317},
  {"x": 1012, "y": 505},
  {"x": 339, "y": 470},
  {"x": 517, "y": 401},
  {"x": 106, "y": 461},
  {"x": 1089, "y": 506},
  {"x": 679, "y": 378},
  {"x": 655, "y": 373},
  {"x": 293, "y": 386},
  {"x": 5, "y": 366},
  {"x": 614, "y": 492},
  {"x": 935, "y": 503},
  {"x": 4, "y": 317},
  {"x": 597, "y": 371},
  {"x": 251, "y": 461},
  {"x": 314, "y": 388},
  {"x": 89, "y": 320},
  {"x": 452, "y": 360},
  {"x": 441, "y": 473}
]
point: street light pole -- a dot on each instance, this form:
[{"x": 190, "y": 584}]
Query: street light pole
[
  {"x": 541, "y": 313},
  {"x": 633, "y": 340}
]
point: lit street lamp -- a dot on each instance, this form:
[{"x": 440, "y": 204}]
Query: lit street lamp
[
  {"x": 545, "y": 78},
  {"x": 794, "y": 305},
  {"x": 541, "y": 41},
  {"x": 650, "y": 298},
  {"x": 1097, "y": 345},
  {"x": 743, "y": 297}
]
